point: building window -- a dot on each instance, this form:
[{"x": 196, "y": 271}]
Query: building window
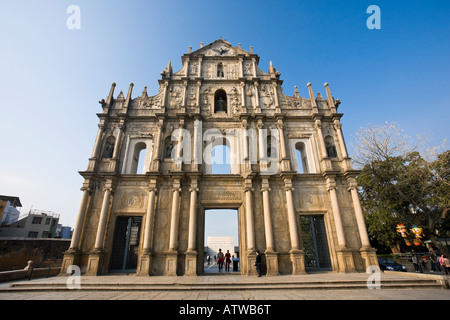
[
  {"x": 220, "y": 70},
  {"x": 220, "y": 101},
  {"x": 36, "y": 220},
  {"x": 169, "y": 148},
  {"x": 302, "y": 162},
  {"x": 137, "y": 165},
  {"x": 32, "y": 234},
  {"x": 109, "y": 148},
  {"x": 331, "y": 147},
  {"x": 47, "y": 221}
]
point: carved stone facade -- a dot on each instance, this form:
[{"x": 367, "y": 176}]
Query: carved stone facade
[{"x": 291, "y": 179}]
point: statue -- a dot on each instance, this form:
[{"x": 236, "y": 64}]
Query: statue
[
  {"x": 331, "y": 150},
  {"x": 109, "y": 149},
  {"x": 169, "y": 151},
  {"x": 221, "y": 105}
]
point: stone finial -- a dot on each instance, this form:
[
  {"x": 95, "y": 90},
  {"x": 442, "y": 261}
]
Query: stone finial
[{"x": 29, "y": 265}]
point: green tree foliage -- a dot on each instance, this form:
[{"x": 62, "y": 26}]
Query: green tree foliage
[{"x": 400, "y": 186}]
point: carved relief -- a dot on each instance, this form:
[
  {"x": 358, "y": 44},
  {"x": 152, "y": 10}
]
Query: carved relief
[
  {"x": 192, "y": 97},
  {"x": 248, "y": 68},
  {"x": 222, "y": 196},
  {"x": 175, "y": 98},
  {"x": 266, "y": 96},
  {"x": 132, "y": 200}
]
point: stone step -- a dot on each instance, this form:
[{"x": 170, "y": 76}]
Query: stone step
[{"x": 199, "y": 286}]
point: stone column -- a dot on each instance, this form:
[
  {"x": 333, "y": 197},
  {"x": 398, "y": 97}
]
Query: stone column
[
  {"x": 243, "y": 107},
  {"x": 285, "y": 164},
  {"x": 247, "y": 166},
  {"x": 191, "y": 254},
  {"x": 359, "y": 214},
  {"x": 96, "y": 256},
  {"x": 271, "y": 255},
  {"x": 297, "y": 255},
  {"x": 251, "y": 250},
  {"x": 325, "y": 161},
  {"x": 338, "y": 128},
  {"x": 118, "y": 140},
  {"x": 340, "y": 233},
  {"x": 275, "y": 93},
  {"x": 156, "y": 160},
  {"x": 144, "y": 267},
  {"x": 172, "y": 254},
  {"x": 178, "y": 161},
  {"x": 197, "y": 152},
  {"x": 261, "y": 146},
  {"x": 344, "y": 255},
  {"x": 80, "y": 219},
  {"x": 70, "y": 256},
  {"x": 257, "y": 106},
  {"x": 103, "y": 218},
  {"x": 96, "y": 149}
]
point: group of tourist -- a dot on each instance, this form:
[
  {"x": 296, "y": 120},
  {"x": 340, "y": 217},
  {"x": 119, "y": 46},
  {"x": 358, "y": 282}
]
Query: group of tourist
[{"x": 436, "y": 263}]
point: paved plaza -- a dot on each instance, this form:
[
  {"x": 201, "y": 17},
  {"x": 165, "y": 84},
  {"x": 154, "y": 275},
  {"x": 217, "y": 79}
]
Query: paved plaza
[{"x": 231, "y": 286}]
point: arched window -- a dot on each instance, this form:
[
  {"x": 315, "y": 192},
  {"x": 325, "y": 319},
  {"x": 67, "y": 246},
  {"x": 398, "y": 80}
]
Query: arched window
[
  {"x": 138, "y": 161},
  {"x": 301, "y": 157},
  {"x": 108, "y": 151},
  {"x": 221, "y": 161},
  {"x": 168, "y": 148},
  {"x": 220, "y": 101},
  {"x": 330, "y": 146}
]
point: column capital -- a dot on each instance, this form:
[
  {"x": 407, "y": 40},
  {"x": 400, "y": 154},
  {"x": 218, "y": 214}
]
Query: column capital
[
  {"x": 110, "y": 189},
  {"x": 317, "y": 124},
  {"x": 263, "y": 189},
  {"x": 331, "y": 184},
  {"x": 88, "y": 189},
  {"x": 352, "y": 184},
  {"x": 246, "y": 189},
  {"x": 154, "y": 189},
  {"x": 193, "y": 189}
]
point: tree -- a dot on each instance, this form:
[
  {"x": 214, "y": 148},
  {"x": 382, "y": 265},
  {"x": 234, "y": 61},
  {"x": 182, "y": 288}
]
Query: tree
[{"x": 401, "y": 186}]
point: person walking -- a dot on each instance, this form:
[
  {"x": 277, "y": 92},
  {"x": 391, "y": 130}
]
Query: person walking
[
  {"x": 227, "y": 260},
  {"x": 445, "y": 263},
  {"x": 415, "y": 262},
  {"x": 220, "y": 257},
  {"x": 258, "y": 263},
  {"x": 434, "y": 262}
]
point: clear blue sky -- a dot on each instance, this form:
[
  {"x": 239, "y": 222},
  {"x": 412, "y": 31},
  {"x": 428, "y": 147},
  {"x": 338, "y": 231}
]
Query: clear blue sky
[{"x": 51, "y": 78}]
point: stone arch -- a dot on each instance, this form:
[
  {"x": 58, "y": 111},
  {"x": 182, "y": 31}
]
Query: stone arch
[{"x": 220, "y": 101}]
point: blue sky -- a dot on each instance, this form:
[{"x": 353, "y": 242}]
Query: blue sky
[{"x": 51, "y": 77}]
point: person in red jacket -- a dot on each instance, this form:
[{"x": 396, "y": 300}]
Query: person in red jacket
[{"x": 227, "y": 260}]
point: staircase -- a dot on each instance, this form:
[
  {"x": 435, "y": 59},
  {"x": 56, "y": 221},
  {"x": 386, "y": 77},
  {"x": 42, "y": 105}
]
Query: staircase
[{"x": 230, "y": 283}]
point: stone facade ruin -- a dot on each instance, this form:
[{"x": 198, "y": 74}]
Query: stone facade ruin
[{"x": 291, "y": 179}]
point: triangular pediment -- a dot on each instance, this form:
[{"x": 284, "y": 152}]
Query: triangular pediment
[{"x": 220, "y": 48}]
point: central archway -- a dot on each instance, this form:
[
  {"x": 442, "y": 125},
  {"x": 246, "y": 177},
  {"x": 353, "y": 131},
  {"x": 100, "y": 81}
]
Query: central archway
[{"x": 221, "y": 233}]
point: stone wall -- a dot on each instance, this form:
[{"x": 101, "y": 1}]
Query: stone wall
[{"x": 15, "y": 253}]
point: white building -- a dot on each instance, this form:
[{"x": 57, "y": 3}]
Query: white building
[
  {"x": 8, "y": 209},
  {"x": 213, "y": 244},
  {"x": 35, "y": 224}
]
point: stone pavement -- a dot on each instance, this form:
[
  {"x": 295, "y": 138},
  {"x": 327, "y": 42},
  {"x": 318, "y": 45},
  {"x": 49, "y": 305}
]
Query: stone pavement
[{"x": 313, "y": 286}]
